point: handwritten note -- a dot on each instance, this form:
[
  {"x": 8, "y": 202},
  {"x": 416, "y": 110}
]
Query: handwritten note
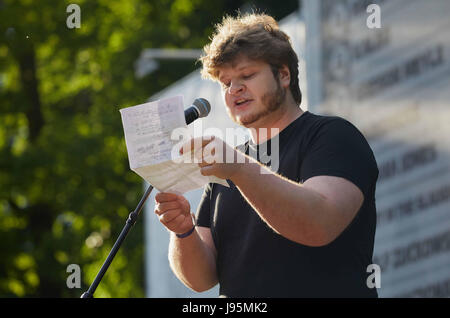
[{"x": 148, "y": 128}]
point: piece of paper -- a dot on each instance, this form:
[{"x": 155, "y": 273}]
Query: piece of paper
[{"x": 148, "y": 128}]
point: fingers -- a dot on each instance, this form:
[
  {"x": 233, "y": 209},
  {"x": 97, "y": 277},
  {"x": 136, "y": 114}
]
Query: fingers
[
  {"x": 170, "y": 216},
  {"x": 196, "y": 143},
  {"x": 169, "y": 202},
  {"x": 166, "y": 197},
  {"x": 212, "y": 153},
  {"x": 176, "y": 221},
  {"x": 207, "y": 170},
  {"x": 170, "y": 213},
  {"x": 173, "y": 212},
  {"x": 164, "y": 207}
]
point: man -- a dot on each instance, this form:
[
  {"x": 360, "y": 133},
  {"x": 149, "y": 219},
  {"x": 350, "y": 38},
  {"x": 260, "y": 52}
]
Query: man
[{"x": 305, "y": 230}]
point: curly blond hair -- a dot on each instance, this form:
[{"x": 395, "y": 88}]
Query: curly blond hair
[{"x": 256, "y": 36}]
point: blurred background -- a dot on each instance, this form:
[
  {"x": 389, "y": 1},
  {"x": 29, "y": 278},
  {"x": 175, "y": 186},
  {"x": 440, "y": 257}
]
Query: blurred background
[{"x": 66, "y": 188}]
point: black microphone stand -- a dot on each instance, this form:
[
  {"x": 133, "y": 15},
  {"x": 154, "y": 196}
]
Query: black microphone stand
[{"x": 132, "y": 217}]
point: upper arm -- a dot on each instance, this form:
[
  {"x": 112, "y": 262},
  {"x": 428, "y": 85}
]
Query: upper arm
[
  {"x": 341, "y": 167},
  {"x": 343, "y": 200},
  {"x": 340, "y": 150}
]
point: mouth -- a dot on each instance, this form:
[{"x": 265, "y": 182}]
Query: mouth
[{"x": 242, "y": 102}]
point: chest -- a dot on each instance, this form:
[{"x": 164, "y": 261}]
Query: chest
[{"x": 232, "y": 211}]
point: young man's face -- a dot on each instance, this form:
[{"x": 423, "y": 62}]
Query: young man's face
[{"x": 251, "y": 91}]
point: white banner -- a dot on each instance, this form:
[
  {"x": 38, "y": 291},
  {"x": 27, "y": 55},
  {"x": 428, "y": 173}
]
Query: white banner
[{"x": 393, "y": 83}]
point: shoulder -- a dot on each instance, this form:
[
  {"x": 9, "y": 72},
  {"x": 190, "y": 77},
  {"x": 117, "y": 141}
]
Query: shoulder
[
  {"x": 313, "y": 126},
  {"x": 327, "y": 122},
  {"x": 336, "y": 147},
  {"x": 334, "y": 128}
]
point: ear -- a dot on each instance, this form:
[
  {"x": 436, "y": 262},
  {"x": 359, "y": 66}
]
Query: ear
[{"x": 284, "y": 76}]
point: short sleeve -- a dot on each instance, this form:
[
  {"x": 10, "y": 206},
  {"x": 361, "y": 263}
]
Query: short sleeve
[
  {"x": 339, "y": 149},
  {"x": 204, "y": 208}
]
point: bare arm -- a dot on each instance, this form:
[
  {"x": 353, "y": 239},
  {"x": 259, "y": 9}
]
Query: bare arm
[
  {"x": 193, "y": 258},
  {"x": 313, "y": 213}
]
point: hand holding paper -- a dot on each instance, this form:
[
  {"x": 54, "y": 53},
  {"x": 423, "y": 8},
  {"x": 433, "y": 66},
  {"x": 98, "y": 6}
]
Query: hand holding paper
[{"x": 148, "y": 128}]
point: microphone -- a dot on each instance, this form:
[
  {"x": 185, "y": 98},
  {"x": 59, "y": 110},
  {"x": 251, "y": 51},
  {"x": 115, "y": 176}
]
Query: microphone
[{"x": 199, "y": 108}]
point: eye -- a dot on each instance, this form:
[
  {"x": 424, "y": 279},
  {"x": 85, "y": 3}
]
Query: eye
[
  {"x": 225, "y": 85},
  {"x": 248, "y": 76}
]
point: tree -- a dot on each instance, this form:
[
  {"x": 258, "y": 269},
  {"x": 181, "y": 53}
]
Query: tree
[{"x": 65, "y": 183}]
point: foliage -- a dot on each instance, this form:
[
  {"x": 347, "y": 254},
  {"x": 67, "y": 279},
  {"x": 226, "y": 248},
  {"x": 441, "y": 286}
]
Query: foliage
[{"x": 65, "y": 184}]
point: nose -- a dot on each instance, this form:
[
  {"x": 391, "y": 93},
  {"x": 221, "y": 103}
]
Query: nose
[{"x": 236, "y": 87}]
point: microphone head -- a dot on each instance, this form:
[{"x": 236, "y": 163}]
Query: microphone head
[{"x": 203, "y": 107}]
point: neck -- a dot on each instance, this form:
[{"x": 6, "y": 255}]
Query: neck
[{"x": 276, "y": 122}]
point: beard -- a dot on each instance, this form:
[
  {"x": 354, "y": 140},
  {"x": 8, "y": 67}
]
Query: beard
[{"x": 270, "y": 101}]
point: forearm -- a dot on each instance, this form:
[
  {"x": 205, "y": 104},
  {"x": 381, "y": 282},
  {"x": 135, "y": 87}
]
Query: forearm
[
  {"x": 193, "y": 262},
  {"x": 290, "y": 209}
]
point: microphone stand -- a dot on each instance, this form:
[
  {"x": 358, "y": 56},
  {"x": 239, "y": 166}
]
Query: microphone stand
[{"x": 132, "y": 217}]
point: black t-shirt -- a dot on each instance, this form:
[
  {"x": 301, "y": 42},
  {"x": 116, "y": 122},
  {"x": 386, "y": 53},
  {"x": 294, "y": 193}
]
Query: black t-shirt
[{"x": 254, "y": 261}]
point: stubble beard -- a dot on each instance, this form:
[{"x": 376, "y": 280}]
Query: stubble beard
[{"x": 271, "y": 102}]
